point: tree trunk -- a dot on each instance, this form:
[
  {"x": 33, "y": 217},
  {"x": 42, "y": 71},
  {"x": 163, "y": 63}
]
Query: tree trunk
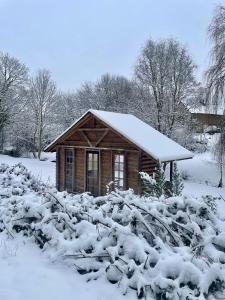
[
  {"x": 221, "y": 158},
  {"x": 221, "y": 176},
  {"x": 40, "y": 131},
  {"x": 39, "y": 144}
]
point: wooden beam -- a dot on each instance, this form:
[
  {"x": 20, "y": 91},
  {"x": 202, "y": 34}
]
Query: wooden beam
[
  {"x": 82, "y": 134},
  {"x": 92, "y": 129},
  {"x": 102, "y": 137},
  {"x": 98, "y": 148}
]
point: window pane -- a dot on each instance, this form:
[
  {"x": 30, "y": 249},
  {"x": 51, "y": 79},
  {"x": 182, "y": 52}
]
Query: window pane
[
  {"x": 117, "y": 158},
  {"x": 69, "y": 165},
  {"x": 116, "y": 166},
  {"x": 95, "y": 166},
  {"x": 119, "y": 171}
]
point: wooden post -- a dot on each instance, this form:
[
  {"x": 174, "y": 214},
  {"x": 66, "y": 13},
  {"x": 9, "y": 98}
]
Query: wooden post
[
  {"x": 57, "y": 168},
  {"x": 171, "y": 171}
]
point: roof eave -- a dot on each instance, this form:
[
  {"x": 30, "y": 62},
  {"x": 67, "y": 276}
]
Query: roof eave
[
  {"x": 52, "y": 145},
  {"x": 175, "y": 159}
]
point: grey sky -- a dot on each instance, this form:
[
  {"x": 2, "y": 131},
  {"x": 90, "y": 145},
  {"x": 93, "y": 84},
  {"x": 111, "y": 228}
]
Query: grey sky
[{"x": 78, "y": 40}]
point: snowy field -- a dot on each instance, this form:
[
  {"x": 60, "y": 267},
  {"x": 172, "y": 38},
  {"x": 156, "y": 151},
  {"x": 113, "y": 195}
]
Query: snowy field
[
  {"x": 202, "y": 176},
  {"x": 43, "y": 170},
  {"x": 28, "y": 273}
]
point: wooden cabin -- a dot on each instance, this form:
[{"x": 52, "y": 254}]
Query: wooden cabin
[
  {"x": 202, "y": 121},
  {"x": 104, "y": 147}
]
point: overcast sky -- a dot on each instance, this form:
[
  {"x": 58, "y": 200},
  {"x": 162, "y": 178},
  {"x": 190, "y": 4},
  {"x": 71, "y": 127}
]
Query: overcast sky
[{"x": 79, "y": 40}]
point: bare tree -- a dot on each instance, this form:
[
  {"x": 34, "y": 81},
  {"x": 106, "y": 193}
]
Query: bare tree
[
  {"x": 166, "y": 71},
  {"x": 110, "y": 92},
  {"x": 114, "y": 93},
  {"x": 42, "y": 94},
  {"x": 65, "y": 110},
  {"x": 220, "y": 154},
  {"x": 13, "y": 75},
  {"x": 216, "y": 78},
  {"x": 216, "y": 73}
]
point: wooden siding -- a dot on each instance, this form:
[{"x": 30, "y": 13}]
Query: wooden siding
[
  {"x": 57, "y": 168},
  {"x": 105, "y": 170},
  {"x": 79, "y": 170},
  {"x": 61, "y": 169},
  {"x": 92, "y": 134},
  {"x": 147, "y": 163},
  {"x": 132, "y": 172},
  {"x": 114, "y": 140}
]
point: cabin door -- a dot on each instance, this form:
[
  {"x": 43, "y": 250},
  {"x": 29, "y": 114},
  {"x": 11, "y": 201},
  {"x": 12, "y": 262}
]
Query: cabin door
[
  {"x": 69, "y": 169},
  {"x": 92, "y": 172}
]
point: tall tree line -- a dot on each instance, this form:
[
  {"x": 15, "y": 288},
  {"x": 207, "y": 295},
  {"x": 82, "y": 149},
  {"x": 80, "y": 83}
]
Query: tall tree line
[
  {"x": 33, "y": 111},
  {"x": 215, "y": 76}
]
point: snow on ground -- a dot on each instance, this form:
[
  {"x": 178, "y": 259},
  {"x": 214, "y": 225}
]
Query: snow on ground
[
  {"x": 28, "y": 274},
  {"x": 202, "y": 176},
  {"x": 43, "y": 170}
]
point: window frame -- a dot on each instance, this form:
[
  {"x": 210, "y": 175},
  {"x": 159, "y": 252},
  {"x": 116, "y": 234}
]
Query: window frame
[
  {"x": 72, "y": 170},
  {"x": 124, "y": 170}
]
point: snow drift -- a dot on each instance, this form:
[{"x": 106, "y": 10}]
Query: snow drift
[{"x": 163, "y": 248}]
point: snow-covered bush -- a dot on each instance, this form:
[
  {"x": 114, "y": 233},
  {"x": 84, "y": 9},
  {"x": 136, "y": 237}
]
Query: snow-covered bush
[
  {"x": 148, "y": 184},
  {"x": 163, "y": 248},
  {"x": 154, "y": 185},
  {"x": 157, "y": 186}
]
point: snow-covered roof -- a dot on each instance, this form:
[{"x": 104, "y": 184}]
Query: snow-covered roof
[
  {"x": 206, "y": 109},
  {"x": 154, "y": 143}
]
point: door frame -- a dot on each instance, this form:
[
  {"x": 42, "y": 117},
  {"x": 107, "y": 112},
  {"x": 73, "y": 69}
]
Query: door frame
[{"x": 99, "y": 168}]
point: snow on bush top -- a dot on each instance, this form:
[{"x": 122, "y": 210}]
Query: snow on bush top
[{"x": 163, "y": 248}]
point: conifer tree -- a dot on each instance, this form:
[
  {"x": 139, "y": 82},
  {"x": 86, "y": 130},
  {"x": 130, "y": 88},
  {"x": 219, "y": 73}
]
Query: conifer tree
[
  {"x": 154, "y": 185},
  {"x": 177, "y": 183},
  {"x": 160, "y": 180}
]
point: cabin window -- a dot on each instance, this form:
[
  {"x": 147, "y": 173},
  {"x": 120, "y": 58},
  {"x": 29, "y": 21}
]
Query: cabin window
[
  {"x": 119, "y": 171},
  {"x": 92, "y": 172},
  {"x": 69, "y": 169}
]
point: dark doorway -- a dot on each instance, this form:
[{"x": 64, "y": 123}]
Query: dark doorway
[
  {"x": 69, "y": 170},
  {"x": 92, "y": 172}
]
